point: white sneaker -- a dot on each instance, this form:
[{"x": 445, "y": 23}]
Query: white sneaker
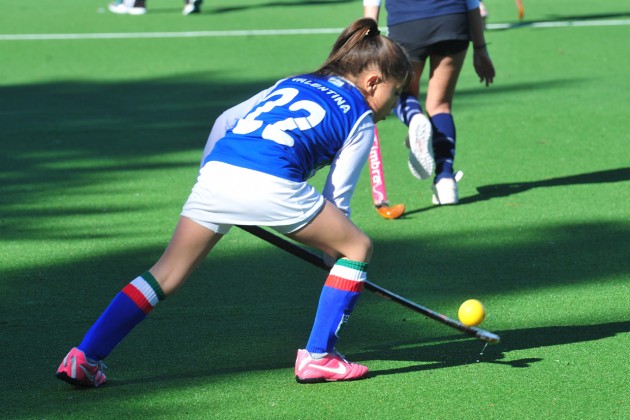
[
  {"x": 192, "y": 7},
  {"x": 126, "y": 7},
  {"x": 421, "y": 163},
  {"x": 445, "y": 192}
]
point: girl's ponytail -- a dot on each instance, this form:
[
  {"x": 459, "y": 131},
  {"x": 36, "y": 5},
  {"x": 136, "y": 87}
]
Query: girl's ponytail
[{"x": 360, "y": 47}]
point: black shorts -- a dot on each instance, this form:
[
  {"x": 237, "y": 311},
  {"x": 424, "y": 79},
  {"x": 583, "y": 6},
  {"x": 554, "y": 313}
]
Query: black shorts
[{"x": 442, "y": 35}]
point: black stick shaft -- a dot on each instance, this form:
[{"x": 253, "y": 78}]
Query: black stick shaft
[{"x": 316, "y": 260}]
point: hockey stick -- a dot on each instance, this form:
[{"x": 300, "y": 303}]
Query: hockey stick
[
  {"x": 377, "y": 179},
  {"x": 318, "y": 261},
  {"x": 521, "y": 9}
]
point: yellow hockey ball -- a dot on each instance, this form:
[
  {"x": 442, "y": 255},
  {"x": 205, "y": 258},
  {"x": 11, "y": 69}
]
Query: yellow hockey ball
[{"x": 471, "y": 313}]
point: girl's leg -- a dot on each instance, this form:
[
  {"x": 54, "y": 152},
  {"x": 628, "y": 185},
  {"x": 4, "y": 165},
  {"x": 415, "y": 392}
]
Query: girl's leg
[
  {"x": 444, "y": 73},
  {"x": 332, "y": 232},
  {"x": 189, "y": 245},
  {"x": 409, "y": 104}
]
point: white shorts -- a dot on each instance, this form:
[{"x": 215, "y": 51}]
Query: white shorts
[{"x": 227, "y": 195}]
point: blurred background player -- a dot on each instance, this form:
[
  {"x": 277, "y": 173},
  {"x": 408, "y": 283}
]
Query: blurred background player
[
  {"x": 139, "y": 7},
  {"x": 437, "y": 32},
  {"x": 256, "y": 174}
]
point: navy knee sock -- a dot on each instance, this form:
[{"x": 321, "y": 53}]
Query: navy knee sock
[
  {"x": 408, "y": 106},
  {"x": 443, "y": 144}
]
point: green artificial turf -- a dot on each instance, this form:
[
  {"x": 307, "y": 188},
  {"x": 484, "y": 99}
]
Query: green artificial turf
[{"x": 101, "y": 140}]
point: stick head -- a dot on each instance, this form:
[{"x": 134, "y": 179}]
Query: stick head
[
  {"x": 487, "y": 336},
  {"x": 391, "y": 212}
]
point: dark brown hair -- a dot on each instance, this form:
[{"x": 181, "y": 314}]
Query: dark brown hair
[{"x": 362, "y": 47}]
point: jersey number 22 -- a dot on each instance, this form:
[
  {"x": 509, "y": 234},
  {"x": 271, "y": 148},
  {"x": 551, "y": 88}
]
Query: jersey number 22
[{"x": 277, "y": 131}]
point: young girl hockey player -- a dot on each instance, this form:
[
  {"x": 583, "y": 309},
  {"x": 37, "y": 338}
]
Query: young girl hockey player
[{"x": 256, "y": 174}]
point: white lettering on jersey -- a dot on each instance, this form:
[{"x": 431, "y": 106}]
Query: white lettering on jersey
[{"x": 338, "y": 99}]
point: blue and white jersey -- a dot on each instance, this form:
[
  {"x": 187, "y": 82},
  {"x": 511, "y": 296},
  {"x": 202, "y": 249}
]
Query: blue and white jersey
[
  {"x": 401, "y": 11},
  {"x": 296, "y": 127}
]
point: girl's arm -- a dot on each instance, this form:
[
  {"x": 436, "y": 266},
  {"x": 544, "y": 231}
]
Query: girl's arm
[
  {"x": 371, "y": 8},
  {"x": 347, "y": 165},
  {"x": 481, "y": 59}
]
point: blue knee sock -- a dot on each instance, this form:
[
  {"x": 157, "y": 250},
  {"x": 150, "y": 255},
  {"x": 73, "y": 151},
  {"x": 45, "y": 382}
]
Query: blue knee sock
[
  {"x": 443, "y": 144},
  {"x": 339, "y": 295},
  {"x": 408, "y": 106},
  {"x": 128, "y": 308}
]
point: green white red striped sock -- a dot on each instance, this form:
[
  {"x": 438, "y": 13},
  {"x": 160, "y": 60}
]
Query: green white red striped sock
[
  {"x": 145, "y": 292},
  {"x": 336, "y": 302},
  {"x": 128, "y": 308}
]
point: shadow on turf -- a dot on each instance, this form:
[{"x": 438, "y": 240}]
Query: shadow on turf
[
  {"x": 562, "y": 18},
  {"x": 591, "y": 17},
  {"x": 449, "y": 354},
  {"x": 487, "y": 192}
]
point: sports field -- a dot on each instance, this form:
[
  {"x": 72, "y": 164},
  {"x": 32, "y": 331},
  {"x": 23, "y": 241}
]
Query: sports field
[{"x": 102, "y": 122}]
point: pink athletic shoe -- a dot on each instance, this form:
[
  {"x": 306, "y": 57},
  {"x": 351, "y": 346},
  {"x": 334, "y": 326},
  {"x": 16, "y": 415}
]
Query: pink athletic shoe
[
  {"x": 76, "y": 370},
  {"x": 332, "y": 367}
]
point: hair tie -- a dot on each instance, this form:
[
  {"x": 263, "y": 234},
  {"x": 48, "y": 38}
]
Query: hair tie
[{"x": 369, "y": 32}]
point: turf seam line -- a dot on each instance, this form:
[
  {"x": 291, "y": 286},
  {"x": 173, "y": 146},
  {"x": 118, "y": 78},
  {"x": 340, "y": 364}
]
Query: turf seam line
[{"x": 282, "y": 32}]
